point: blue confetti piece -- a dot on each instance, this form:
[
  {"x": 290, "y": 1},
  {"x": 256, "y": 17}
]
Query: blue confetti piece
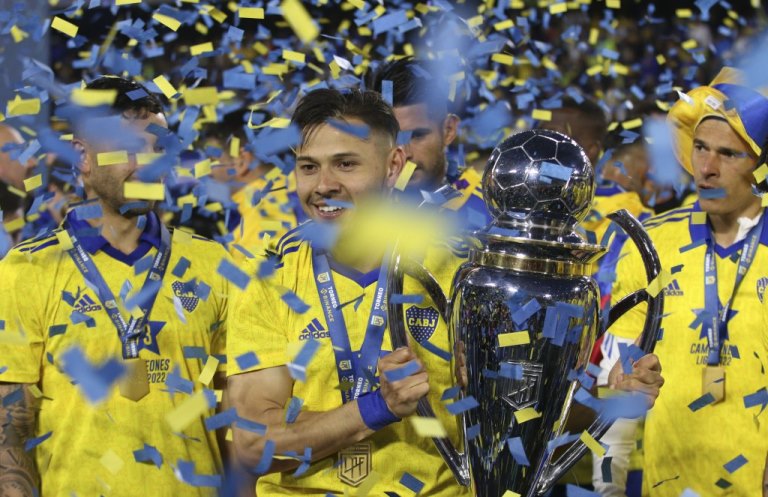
[
  {"x": 186, "y": 471},
  {"x": 34, "y": 442},
  {"x": 148, "y": 454},
  {"x": 755, "y": 399},
  {"x": 14, "y": 397},
  {"x": 143, "y": 264},
  {"x": 298, "y": 368},
  {"x": 689, "y": 493},
  {"x": 398, "y": 298},
  {"x": 386, "y": 94},
  {"x": 202, "y": 291},
  {"x": 387, "y": 22},
  {"x": 137, "y": 94},
  {"x": 450, "y": 393},
  {"x": 3, "y": 369},
  {"x": 181, "y": 267},
  {"x": 251, "y": 426},
  {"x": 175, "y": 383},
  {"x": 628, "y": 355},
  {"x": 233, "y": 274},
  {"x": 529, "y": 309},
  {"x": 293, "y": 410},
  {"x": 361, "y": 131},
  {"x": 511, "y": 371},
  {"x": 57, "y": 329},
  {"x": 191, "y": 352},
  {"x": 564, "y": 439},
  {"x": 266, "y": 458},
  {"x": 515, "y": 446},
  {"x": 94, "y": 381},
  {"x": 402, "y": 372},
  {"x": 294, "y": 302},
  {"x": 88, "y": 211},
  {"x": 711, "y": 193},
  {"x": 473, "y": 431},
  {"x": 735, "y": 463},
  {"x": 605, "y": 470},
  {"x": 411, "y": 483},
  {"x": 247, "y": 360},
  {"x": 723, "y": 483},
  {"x": 701, "y": 402},
  {"x": 462, "y": 405},
  {"x": 574, "y": 491},
  {"x": 222, "y": 419}
]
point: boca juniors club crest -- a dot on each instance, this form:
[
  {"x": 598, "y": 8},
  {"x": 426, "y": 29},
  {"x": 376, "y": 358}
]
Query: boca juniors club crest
[
  {"x": 524, "y": 392},
  {"x": 355, "y": 464},
  {"x": 761, "y": 284},
  {"x": 421, "y": 322},
  {"x": 186, "y": 294}
]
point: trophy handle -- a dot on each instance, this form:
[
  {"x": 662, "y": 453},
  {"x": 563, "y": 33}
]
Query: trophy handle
[
  {"x": 634, "y": 229},
  {"x": 398, "y": 268}
]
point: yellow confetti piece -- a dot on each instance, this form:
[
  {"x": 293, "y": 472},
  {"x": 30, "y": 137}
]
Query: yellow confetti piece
[
  {"x": 294, "y": 56},
  {"x": 514, "y": 338},
  {"x": 64, "y": 240},
  {"x": 188, "y": 411},
  {"x": 299, "y": 20},
  {"x": 215, "y": 13},
  {"x": 632, "y": 123},
  {"x": 167, "y": 21},
  {"x": 206, "y": 375},
  {"x": 112, "y": 461},
  {"x": 275, "y": 69},
  {"x": 760, "y": 173},
  {"x": 112, "y": 158},
  {"x": 527, "y": 414},
  {"x": 558, "y": 8},
  {"x": 250, "y": 12},
  {"x": 660, "y": 59},
  {"x": 683, "y": 13},
  {"x": 275, "y": 122},
  {"x": 167, "y": 88},
  {"x": 659, "y": 283},
  {"x": 64, "y": 26},
  {"x": 219, "y": 395},
  {"x": 182, "y": 235},
  {"x": 613, "y": 4},
  {"x": 593, "y": 444},
  {"x": 358, "y": 4},
  {"x": 510, "y": 493},
  {"x": 35, "y": 181},
  {"x": 501, "y": 58},
  {"x": 764, "y": 201},
  {"x": 229, "y": 437},
  {"x": 234, "y": 147},
  {"x": 593, "y": 34},
  {"x": 689, "y": 44},
  {"x": 203, "y": 168},
  {"x": 405, "y": 175},
  {"x": 505, "y": 24},
  {"x": 36, "y": 392},
  {"x": 428, "y": 427},
  {"x": 187, "y": 199},
  {"x": 18, "y": 34},
  {"x": 93, "y": 98},
  {"x": 144, "y": 191},
  {"x": 699, "y": 218},
  {"x": 474, "y": 22},
  {"x": 201, "y": 48},
  {"x": 16, "y": 191},
  {"x": 127, "y": 2},
  {"x": 205, "y": 95},
  {"x": 542, "y": 115},
  {"x": 591, "y": 71},
  {"x": 144, "y": 158},
  {"x": 23, "y": 107}
]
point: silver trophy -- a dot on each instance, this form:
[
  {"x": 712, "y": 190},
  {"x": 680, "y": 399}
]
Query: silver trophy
[{"x": 531, "y": 274}]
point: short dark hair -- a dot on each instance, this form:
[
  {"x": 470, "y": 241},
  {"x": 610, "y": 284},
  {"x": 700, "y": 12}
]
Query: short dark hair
[
  {"x": 136, "y": 103},
  {"x": 413, "y": 82},
  {"x": 319, "y": 106},
  {"x": 592, "y": 116}
]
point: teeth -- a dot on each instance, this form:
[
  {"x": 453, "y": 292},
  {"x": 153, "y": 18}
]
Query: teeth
[{"x": 329, "y": 208}]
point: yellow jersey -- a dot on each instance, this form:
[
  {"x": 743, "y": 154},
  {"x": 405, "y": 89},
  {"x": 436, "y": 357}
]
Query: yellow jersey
[
  {"x": 470, "y": 205},
  {"x": 46, "y": 309},
  {"x": 265, "y": 324},
  {"x": 268, "y": 207},
  {"x": 609, "y": 200},
  {"x": 688, "y": 442}
]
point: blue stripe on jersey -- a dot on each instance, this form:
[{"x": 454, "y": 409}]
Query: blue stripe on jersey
[{"x": 43, "y": 245}]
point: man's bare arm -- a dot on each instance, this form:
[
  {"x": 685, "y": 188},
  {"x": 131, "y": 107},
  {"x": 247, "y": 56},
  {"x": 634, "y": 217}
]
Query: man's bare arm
[{"x": 18, "y": 474}]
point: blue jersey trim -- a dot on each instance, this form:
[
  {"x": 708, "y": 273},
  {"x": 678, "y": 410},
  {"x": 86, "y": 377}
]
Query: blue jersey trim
[{"x": 362, "y": 279}]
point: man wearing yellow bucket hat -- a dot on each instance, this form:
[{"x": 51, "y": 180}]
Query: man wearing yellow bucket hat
[{"x": 705, "y": 432}]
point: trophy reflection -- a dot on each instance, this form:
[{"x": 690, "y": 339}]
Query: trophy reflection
[{"x": 527, "y": 311}]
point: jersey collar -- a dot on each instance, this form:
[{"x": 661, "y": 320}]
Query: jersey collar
[
  {"x": 92, "y": 241},
  {"x": 701, "y": 233}
]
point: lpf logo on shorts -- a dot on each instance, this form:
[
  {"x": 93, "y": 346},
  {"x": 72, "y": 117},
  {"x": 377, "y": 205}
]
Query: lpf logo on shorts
[
  {"x": 762, "y": 283},
  {"x": 355, "y": 464}
]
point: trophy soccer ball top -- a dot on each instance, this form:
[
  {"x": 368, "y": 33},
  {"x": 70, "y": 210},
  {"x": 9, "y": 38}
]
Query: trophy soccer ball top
[{"x": 539, "y": 178}]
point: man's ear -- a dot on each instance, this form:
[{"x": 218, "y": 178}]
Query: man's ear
[
  {"x": 395, "y": 167},
  {"x": 450, "y": 128},
  {"x": 242, "y": 163},
  {"x": 84, "y": 164}
]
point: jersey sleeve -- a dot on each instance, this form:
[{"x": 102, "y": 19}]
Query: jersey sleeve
[
  {"x": 257, "y": 324},
  {"x": 223, "y": 296},
  {"x": 21, "y": 321},
  {"x": 630, "y": 275}
]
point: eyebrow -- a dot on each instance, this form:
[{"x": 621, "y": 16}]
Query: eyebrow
[
  {"x": 337, "y": 156},
  {"x": 737, "y": 153}
]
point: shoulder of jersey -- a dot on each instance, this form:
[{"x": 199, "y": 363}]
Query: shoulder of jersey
[
  {"x": 38, "y": 246},
  {"x": 292, "y": 241},
  {"x": 667, "y": 218}
]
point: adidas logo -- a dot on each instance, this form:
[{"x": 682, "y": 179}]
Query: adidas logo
[
  {"x": 673, "y": 290},
  {"x": 314, "y": 330},
  {"x": 86, "y": 304}
]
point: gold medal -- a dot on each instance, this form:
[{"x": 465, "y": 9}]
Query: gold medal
[
  {"x": 713, "y": 382},
  {"x": 135, "y": 383}
]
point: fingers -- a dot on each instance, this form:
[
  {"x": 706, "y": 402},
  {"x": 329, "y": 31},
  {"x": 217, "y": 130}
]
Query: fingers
[
  {"x": 402, "y": 395},
  {"x": 649, "y": 361}
]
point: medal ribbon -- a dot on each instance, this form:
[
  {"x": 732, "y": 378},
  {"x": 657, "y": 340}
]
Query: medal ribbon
[
  {"x": 717, "y": 326},
  {"x": 358, "y": 372},
  {"x": 128, "y": 332}
]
